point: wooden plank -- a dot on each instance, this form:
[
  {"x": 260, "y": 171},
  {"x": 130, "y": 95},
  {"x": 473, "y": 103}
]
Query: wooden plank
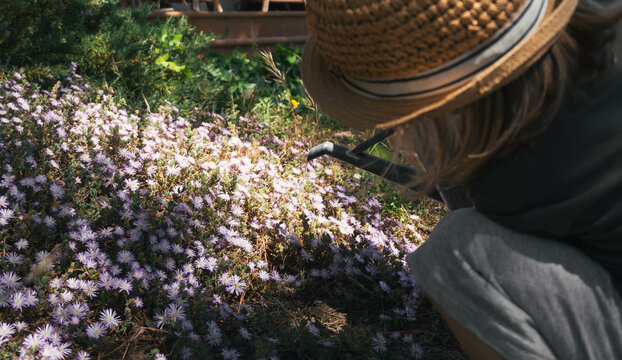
[
  {"x": 265, "y": 4},
  {"x": 264, "y": 41},
  {"x": 162, "y": 14},
  {"x": 195, "y": 5},
  {"x": 218, "y": 6}
]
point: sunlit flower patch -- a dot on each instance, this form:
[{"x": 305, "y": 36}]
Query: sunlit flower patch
[{"x": 148, "y": 233}]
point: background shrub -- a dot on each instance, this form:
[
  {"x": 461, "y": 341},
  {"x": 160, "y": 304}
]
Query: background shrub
[
  {"x": 145, "y": 61},
  {"x": 46, "y": 31}
]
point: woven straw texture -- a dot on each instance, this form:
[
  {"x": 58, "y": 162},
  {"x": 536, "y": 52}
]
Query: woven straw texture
[{"x": 366, "y": 38}]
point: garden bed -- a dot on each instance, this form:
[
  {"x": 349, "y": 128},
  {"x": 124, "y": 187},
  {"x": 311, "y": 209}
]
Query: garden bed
[
  {"x": 169, "y": 212},
  {"x": 151, "y": 235}
]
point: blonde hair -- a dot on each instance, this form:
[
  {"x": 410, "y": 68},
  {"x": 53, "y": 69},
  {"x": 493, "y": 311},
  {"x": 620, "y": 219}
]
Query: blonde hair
[{"x": 453, "y": 148}]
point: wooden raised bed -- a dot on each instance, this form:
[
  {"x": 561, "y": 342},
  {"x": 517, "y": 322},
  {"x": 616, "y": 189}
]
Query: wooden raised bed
[{"x": 246, "y": 30}]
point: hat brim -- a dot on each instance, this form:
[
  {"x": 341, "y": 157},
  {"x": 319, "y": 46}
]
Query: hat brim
[{"x": 357, "y": 111}]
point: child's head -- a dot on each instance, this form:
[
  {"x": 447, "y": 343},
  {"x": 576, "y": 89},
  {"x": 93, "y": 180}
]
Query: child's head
[{"x": 461, "y": 80}]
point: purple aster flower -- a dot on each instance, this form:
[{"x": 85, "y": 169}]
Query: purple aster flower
[
  {"x": 186, "y": 353},
  {"x": 416, "y": 351},
  {"x": 237, "y": 210},
  {"x": 6, "y": 330},
  {"x": 109, "y": 318},
  {"x": 212, "y": 264},
  {"x": 82, "y": 355},
  {"x": 10, "y": 280},
  {"x": 96, "y": 330},
  {"x": 236, "y": 285},
  {"x": 175, "y": 312},
  {"x": 18, "y": 301},
  {"x": 230, "y": 354},
  {"x": 32, "y": 341},
  {"x": 224, "y": 279},
  {"x": 197, "y": 202},
  {"x": 307, "y": 256},
  {"x": 263, "y": 275},
  {"x": 201, "y": 262},
  {"x": 179, "y": 275},
  {"x": 61, "y": 315},
  {"x": 275, "y": 276},
  {"x": 53, "y": 299},
  {"x": 5, "y": 216},
  {"x": 177, "y": 249},
  {"x": 66, "y": 296},
  {"x": 57, "y": 191},
  {"x": 138, "y": 302},
  {"x": 384, "y": 286},
  {"x": 170, "y": 263},
  {"x": 125, "y": 257},
  {"x": 20, "y": 325},
  {"x": 73, "y": 283},
  {"x": 213, "y": 336},
  {"x": 21, "y": 244},
  {"x": 379, "y": 343},
  {"x": 372, "y": 269},
  {"x": 313, "y": 330},
  {"x": 289, "y": 279},
  {"x": 106, "y": 281},
  {"x": 46, "y": 331},
  {"x": 49, "y": 221},
  {"x": 245, "y": 334},
  {"x": 132, "y": 184},
  {"x": 49, "y": 351},
  {"x": 160, "y": 320},
  {"x": 138, "y": 274},
  {"x": 106, "y": 232},
  {"x": 78, "y": 309},
  {"x": 14, "y": 258},
  {"x": 124, "y": 285},
  {"x": 384, "y": 317},
  {"x": 188, "y": 268}
]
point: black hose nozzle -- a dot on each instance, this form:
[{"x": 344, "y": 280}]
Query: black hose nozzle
[{"x": 396, "y": 173}]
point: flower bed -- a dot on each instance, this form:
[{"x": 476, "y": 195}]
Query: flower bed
[{"x": 149, "y": 235}]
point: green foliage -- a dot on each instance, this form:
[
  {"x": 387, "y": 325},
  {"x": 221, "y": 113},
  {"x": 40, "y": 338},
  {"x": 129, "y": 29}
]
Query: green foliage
[
  {"x": 168, "y": 43},
  {"x": 147, "y": 62},
  {"x": 47, "y": 31}
]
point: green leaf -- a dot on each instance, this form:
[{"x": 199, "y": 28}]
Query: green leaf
[
  {"x": 176, "y": 42},
  {"x": 162, "y": 59},
  {"x": 175, "y": 67},
  {"x": 291, "y": 59},
  {"x": 163, "y": 35}
]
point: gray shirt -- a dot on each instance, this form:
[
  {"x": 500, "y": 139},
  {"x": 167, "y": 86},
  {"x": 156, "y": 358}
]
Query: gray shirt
[{"x": 568, "y": 184}]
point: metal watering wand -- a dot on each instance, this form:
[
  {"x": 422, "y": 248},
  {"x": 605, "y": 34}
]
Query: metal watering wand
[{"x": 454, "y": 198}]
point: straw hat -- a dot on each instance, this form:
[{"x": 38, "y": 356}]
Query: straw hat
[{"x": 381, "y": 63}]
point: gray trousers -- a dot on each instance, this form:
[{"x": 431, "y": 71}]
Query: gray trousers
[{"x": 524, "y": 296}]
